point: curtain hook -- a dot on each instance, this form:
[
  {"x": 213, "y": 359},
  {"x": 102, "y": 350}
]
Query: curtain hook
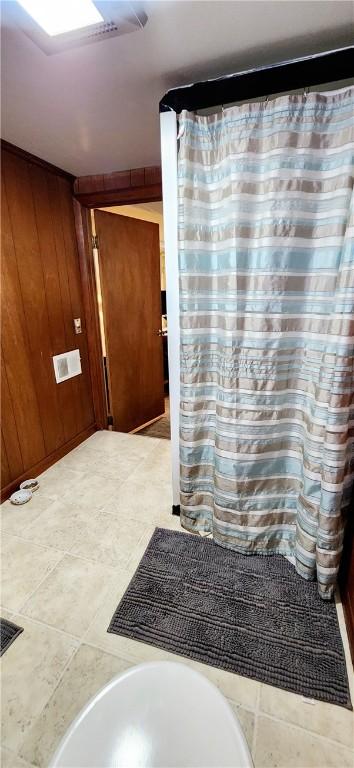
[{"x": 306, "y": 92}]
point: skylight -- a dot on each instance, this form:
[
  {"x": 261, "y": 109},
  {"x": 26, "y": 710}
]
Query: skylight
[{"x": 59, "y": 16}]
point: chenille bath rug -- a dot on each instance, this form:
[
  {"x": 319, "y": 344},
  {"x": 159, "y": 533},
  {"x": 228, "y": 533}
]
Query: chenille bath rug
[
  {"x": 252, "y": 615},
  {"x": 8, "y": 633}
]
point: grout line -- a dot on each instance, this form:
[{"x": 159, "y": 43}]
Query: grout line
[
  {"x": 35, "y": 543},
  {"x": 30, "y": 595},
  {"x": 44, "y": 624},
  {"x": 301, "y": 729},
  {"x": 67, "y": 552},
  {"x": 36, "y": 720}
]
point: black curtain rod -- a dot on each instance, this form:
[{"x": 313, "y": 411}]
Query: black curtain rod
[{"x": 286, "y": 76}]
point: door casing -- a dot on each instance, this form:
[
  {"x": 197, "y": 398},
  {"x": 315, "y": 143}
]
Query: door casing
[{"x": 127, "y": 196}]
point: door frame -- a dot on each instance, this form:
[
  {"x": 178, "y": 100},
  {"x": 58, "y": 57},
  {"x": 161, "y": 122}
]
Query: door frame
[{"x": 149, "y": 189}]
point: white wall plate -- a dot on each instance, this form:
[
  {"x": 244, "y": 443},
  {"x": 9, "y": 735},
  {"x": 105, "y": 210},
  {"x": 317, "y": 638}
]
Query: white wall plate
[{"x": 67, "y": 365}]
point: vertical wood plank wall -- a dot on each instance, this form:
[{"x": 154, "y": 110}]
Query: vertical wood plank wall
[{"x": 41, "y": 294}]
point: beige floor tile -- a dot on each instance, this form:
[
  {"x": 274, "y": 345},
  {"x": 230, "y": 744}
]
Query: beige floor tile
[
  {"x": 15, "y": 519},
  {"x": 108, "y": 539},
  {"x": 5, "y": 614},
  {"x": 105, "y": 462},
  {"x": 80, "y": 460},
  {"x": 9, "y": 759},
  {"x": 69, "y": 598},
  {"x": 239, "y": 690},
  {"x": 157, "y": 465},
  {"x": 30, "y": 670},
  {"x": 55, "y": 481},
  {"x": 279, "y": 745},
  {"x": 324, "y": 719},
  {"x": 146, "y": 501},
  {"x": 118, "y": 467},
  {"x": 92, "y": 491},
  {"x": 120, "y": 443},
  {"x": 96, "y": 633},
  {"x": 59, "y": 525},
  {"x": 247, "y": 720},
  {"x": 23, "y": 566},
  {"x": 89, "y": 671}
]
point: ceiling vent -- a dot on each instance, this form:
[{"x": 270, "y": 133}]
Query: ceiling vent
[{"x": 120, "y": 18}]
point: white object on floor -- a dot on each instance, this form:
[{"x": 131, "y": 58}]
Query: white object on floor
[
  {"x": 157, "y": 715},
  {"x": 21, "y": 497},
  {"x": 30, "y": 485}
]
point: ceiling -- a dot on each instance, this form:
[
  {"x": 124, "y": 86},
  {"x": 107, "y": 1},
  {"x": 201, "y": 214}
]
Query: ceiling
[{"x": 94, "y": 109}]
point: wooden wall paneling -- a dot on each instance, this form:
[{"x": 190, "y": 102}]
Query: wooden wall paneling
[
  {"x": 42, "y": 293},
  {"x": 5, "y": 469},
  {"x": 47, "y": 461},
  {"x": 48, "y": 220},
  {"x": 25, "y": 236},
  {"x": 9, "y": 428},
  {"x": 34, "y": 160},
  {"x": 68, "y": 389},
  {"x": 49, "y": 256},
  {"x": 16, "y": 348},
  {"x": 49, "y": 264},
  {"x": 71, "y": 310},
  {"x": 88, "y": 279},
  {"x": 84, "y": 389}
]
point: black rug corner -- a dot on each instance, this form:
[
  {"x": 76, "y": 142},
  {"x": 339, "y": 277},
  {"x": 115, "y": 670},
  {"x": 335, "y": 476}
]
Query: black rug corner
[
  {"x": 254, "y": 616},
  {"x": 8, "y": 633}
]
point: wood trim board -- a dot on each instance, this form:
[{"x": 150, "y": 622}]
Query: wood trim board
[{"x": 137, "y": 185}]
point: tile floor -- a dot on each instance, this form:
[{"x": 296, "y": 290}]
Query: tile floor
[{"x": 67, "y": 558}]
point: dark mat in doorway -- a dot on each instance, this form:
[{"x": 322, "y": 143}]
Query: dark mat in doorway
[
  {"x": 253, "y": 615},
  {"x": 8, "y": 633},
  {"x": 160, "y": 428}
]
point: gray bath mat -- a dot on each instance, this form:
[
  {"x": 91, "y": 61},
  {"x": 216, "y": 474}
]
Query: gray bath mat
[
  {"x": 8, "y": 633},
  {"x": 252, "y": 615}
]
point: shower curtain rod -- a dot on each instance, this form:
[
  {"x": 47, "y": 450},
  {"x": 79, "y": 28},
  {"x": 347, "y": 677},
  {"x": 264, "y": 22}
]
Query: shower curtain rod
[{"x": 253, "y": 83}]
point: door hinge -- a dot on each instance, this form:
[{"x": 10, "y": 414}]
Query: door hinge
[{"x": 95, "y": 241}]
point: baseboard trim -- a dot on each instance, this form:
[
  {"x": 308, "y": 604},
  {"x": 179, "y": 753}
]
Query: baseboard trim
[
  {"x": 47, "y": 461},
  {"x": 176, "y": 510}
]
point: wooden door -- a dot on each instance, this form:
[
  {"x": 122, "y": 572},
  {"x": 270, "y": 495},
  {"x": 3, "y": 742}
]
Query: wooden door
[{"x": 129, "y": 261}]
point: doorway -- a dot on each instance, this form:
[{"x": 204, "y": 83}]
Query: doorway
[{"x": 131, "y": 297}]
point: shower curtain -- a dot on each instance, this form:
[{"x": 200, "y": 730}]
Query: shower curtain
[{"x": 267, "y": 332}]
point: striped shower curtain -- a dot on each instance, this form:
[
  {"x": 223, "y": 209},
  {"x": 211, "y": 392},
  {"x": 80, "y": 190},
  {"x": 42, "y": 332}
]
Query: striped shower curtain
[{"x": 266, "y": 284}]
